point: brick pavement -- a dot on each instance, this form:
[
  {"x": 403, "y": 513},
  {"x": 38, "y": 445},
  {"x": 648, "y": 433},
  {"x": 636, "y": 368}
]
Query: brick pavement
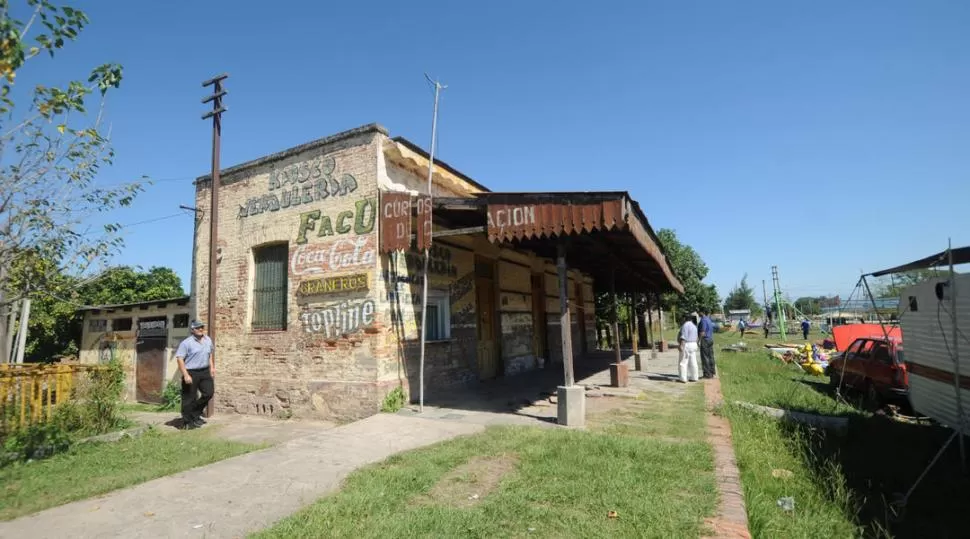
[{"x": 732, "y": 519}]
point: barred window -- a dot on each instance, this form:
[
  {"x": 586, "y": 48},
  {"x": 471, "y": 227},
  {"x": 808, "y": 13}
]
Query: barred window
[
  {"x": 180, "y": 321},
  {"x": 269, "y": 290},
  {"x": 121, "y": 324}
]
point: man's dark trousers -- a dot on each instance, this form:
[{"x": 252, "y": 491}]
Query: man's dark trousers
[
  {"x": 707, "y": 358},
  {"x": 193, "y": 404}
]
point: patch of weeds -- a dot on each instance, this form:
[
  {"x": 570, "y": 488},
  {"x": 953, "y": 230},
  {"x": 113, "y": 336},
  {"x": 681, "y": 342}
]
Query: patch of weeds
[
  {"x": 394, "y": 400},
  {"x": 171, "y": 396}
]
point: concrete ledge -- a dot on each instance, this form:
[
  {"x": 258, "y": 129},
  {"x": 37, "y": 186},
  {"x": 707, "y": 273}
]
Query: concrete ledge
[
  {"x": 572, "y": 406},
  {"x": 117, "y": 435}
]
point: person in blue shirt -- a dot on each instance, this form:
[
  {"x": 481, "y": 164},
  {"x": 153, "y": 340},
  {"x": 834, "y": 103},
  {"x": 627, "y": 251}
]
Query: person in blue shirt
[
  {"x": 706, "y": 330},
  {"x": 805, "y": 325},
  {"x": 195, "y": 361}
]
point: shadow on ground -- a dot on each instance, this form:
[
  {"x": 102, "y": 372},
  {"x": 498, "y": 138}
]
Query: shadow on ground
[
  {"x": 881, "y": 460},
  {"x": 513, "y": 394}
]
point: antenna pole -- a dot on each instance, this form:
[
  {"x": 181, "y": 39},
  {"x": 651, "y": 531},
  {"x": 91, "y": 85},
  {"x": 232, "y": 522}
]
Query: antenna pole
[{"x": 427, "y": 251}]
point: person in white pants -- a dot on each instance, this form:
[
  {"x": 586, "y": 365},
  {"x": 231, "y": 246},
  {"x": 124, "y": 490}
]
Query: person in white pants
[{"x": 688, "y": 351}]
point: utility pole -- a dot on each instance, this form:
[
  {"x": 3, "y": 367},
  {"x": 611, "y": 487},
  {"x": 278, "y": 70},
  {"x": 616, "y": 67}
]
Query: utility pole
[
  {"x": 22, "y": 334},
  {"x": 779, "y": 312},
  {"x": 764, "y": 297},
  {"x": 216, "y": 114},
  {"x": 427, "y": 248}
]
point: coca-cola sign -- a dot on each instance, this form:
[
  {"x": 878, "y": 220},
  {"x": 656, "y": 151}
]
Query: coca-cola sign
[{"x": 338, "y": 255}]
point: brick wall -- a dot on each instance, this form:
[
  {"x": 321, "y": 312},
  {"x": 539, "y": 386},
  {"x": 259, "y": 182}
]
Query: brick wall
[{"x": 321, "y": 200}]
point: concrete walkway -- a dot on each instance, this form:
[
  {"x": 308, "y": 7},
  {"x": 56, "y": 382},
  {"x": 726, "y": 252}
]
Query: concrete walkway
[
  {"x": 524, "y": 399},
  {"x": 240, "y": 428},
  {"x": 240, "y": 495}
]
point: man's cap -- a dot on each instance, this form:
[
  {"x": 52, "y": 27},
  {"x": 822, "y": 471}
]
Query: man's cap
[{"x": 196, "y": 324}]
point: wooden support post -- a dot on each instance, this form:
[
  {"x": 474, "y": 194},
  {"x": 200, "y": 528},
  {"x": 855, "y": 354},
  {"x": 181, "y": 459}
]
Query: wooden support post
[
  {"x": 565, "y": 324},
  {"x": 616, "y": 318},
  {"x": 571, "y": 410},
  {"x": 636, "y": 331},
  {"x": 619, "y": 372},
  {"x": 660, "y": 309}
]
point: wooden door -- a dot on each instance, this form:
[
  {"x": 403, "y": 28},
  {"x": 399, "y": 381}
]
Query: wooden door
[
  {"x": 488, "y": 363},
  {"x": 150, "y": 369},
  {"x": 540, "y": 330},
  {"x": 581, "y": 314}
]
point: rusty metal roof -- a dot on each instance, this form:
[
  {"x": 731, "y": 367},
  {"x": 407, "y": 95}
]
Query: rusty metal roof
[{"x": 605, "y": 232}]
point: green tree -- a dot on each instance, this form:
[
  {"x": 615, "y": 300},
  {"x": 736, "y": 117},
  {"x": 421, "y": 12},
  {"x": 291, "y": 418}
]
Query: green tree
[
  {"x": 809, "y": 305},
  {"x": 691, "y": 270},
  {"x": 742, "y": 297},
  {"x": 52, "y": 150},
  {"x": 893, "y": 286}
]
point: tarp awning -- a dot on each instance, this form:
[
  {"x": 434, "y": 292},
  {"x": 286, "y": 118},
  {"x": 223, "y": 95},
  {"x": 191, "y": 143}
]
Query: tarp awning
[{"x": 961, "y": 255}]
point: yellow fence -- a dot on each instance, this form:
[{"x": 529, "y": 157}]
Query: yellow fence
[{"x": 29, "y": 393}]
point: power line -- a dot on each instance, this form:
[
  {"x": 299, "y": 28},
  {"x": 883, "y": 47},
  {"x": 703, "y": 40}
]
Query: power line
[{"x": 156, "y": 219}]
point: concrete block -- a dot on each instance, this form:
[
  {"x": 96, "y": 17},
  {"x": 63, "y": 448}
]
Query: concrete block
[
  {"x": 653, "y": 353},
  {"x": 663, "y": 346},
  {"x": 572, "y": 406},
  {"x": 638, "y": 361},
  {"x": 619, "y": 375}
]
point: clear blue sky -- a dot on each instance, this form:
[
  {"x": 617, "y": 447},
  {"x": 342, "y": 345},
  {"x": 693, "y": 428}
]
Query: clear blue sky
[{"x": 823, "y": 137}]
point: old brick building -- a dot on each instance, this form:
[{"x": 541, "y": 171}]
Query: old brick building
[{"x": 315, "y": 318}]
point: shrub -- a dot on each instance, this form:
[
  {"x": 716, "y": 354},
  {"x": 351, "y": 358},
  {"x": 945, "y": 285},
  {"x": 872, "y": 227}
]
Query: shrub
[
  {"x": 102, "y": 398},
  {"x": 394, "y": 401},
  {"x": 34, "y": 442},
  {"x": 172, "y": 396}
]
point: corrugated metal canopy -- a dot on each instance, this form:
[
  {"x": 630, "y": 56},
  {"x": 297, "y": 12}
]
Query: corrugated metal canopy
[
  {"x": 961, "y": 255},
  {"x": 604, "y": 232}
]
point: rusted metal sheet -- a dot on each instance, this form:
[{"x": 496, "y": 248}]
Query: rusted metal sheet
[
  {"x": 653, "y": 249},
  {"x": 423, "y": 232},
  {"x": 508, "y": 222},
  {"x": 395, "y": 222}
]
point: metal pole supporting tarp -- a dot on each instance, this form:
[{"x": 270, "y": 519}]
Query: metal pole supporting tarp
[{"x": 956, "y": 353}]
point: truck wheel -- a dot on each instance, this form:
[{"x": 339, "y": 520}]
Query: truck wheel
[{"x": 873, "y": 399}]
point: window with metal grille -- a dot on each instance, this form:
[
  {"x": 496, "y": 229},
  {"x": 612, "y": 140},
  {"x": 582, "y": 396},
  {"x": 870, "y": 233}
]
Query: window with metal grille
[
  {"x": 121, "y": 324},
  {"x": 180, "y": 321},
  {"x": 269, "y": 290}
]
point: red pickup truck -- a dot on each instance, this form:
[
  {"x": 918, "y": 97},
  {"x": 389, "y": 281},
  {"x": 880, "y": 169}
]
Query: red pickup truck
[{"x": 875, "y": 366}]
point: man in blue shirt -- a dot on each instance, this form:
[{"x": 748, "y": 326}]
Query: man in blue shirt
[
  {"x": 706, "y": 330},
  {"x": 195, "y": 361},
  {"x": 805, "y": 325}
]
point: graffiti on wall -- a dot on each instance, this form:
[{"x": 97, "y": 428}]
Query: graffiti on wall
[
  {"x": 301, "y": 183},
  {"x": 438, "y": 264},
  {"x": 361, "y": 220},
  {"x": 339, "y": 255},
  {"x": 333, "y": 285},
  {"x": 338, "y": 319}
]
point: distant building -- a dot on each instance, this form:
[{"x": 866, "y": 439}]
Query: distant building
[
  {"x": 143, "y": 336},
  {"x": 738, "y": 314}
]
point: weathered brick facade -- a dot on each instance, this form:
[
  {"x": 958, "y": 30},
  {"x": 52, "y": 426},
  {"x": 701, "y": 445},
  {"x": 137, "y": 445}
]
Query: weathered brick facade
[{"x": 351, "y": 331}]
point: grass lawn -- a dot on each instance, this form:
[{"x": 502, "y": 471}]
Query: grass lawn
[
  {"x": 96, "y": 468},
  {"x": 139, "y": 407},
  {"x": 536, "y": 482},
  {"x": 843, "y": 486}
]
